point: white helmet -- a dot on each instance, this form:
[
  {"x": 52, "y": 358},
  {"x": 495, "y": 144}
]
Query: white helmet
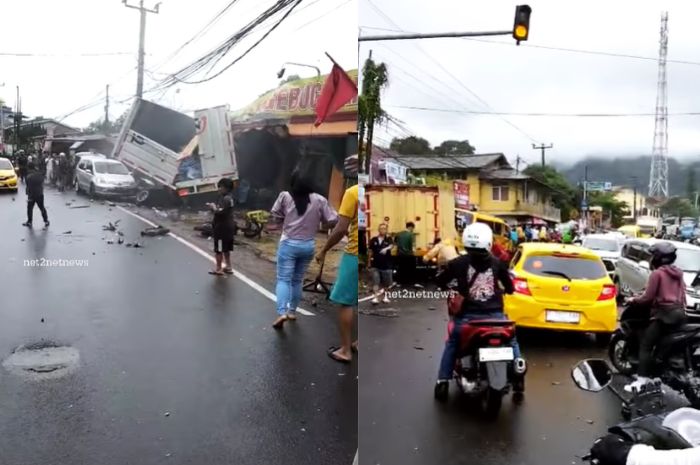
[{"x": 477, "y": 236}]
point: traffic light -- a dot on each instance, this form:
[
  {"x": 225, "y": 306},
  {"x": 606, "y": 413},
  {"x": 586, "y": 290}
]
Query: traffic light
[{"x": 521, "y": 27}]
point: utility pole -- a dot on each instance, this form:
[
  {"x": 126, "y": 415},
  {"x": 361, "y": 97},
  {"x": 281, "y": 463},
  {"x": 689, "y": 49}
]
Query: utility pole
[
  {"x": 18, "y": 120},
  {"x": 517, "y": 164},
  {"x": 542, "y": 147},
  {"x": 107, "y": 109},
  {"x": 634, "y": 207},
  {"x": 142, "y": 40},
  {"x": 585, "y": 196}
]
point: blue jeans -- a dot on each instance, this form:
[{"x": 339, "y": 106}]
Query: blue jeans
[
  {"x": 293, "y": 258},
  {"x": 449, "y": 355}
]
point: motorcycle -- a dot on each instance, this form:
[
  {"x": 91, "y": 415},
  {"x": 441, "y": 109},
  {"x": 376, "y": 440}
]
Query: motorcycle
[
  {"x": 648, "y": 418},
  {"x": 676, "y": 356},
  {"x": 486, "y": 368}
]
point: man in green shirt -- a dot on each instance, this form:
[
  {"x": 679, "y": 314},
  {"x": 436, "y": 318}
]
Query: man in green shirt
[{"x": 406, "y": 260}]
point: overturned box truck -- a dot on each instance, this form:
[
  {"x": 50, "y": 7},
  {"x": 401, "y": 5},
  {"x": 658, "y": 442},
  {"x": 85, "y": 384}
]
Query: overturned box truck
[{"x": 174, "y": 157}]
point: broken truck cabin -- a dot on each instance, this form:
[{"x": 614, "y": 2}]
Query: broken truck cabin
[{"x": 275, "y": 135}]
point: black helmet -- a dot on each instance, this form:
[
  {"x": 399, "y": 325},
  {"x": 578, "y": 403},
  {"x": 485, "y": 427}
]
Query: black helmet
[{"x": 662, "y": 253}]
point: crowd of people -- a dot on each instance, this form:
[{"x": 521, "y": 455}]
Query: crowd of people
[
  {"x": 58, "y": 169},
  {"x": 387, "y": 252}
]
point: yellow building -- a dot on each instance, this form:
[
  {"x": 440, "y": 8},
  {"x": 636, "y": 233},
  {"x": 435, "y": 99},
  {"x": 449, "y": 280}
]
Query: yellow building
[
  {"x": 644, "y": 207},
  {"x": 487, "y": 183}
]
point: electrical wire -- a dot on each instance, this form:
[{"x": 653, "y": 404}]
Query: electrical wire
[
  {"x": 560, "y": 49},
  {"x": 458, "y": 81},
  {"x": 284, "y": 7},
  {"x": 44, "y": 55},
  {"x": 199, "y": 34},
  {"x": 542, "y": 114}
]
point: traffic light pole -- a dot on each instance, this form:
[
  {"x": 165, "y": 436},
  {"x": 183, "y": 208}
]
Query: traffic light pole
[{"x": 437, "y": 35}]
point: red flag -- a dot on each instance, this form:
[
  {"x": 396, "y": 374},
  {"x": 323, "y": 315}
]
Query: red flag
[{"x": 338, "y": 90}]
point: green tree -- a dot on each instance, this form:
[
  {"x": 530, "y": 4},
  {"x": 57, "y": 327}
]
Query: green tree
[
  {"x": 566, "y": 197},
  {"x": 454, "y": 147},
  {"x": 679, "y": 206},
  {"x": 290, "y": 78},
  {"x": 411, "y": 146},
  {"x": 99, "y": 126},
  {"x": 375, "y": 77},
  {"x": 613, "y": 208}
]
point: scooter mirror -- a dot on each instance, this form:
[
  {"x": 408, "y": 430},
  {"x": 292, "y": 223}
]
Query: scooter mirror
[{"x": 592, "y": 375}]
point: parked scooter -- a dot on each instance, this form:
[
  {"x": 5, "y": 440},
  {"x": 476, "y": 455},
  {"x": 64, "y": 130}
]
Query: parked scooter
[
  {"x": 677, "y": 355},
  {"x": 486, "y": 368},
  {"x": 648, "y": 418}
]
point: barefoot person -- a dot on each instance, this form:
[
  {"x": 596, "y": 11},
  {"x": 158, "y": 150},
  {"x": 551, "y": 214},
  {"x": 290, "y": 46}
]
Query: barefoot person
[
  {"x": 301, "y": 212},
  {"x": 223, "y": 227},
  {"x": 344, "y": 290},
  {"x": 35, "y": 195}
]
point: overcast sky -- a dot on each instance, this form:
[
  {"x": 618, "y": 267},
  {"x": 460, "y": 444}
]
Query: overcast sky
[
  {"x": 438, "y": 73},
  {"x": 53, "y": 86}
]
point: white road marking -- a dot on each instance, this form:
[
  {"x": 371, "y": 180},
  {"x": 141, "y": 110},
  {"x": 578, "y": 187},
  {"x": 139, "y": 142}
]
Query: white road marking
[{"x": 209, "y": 257}]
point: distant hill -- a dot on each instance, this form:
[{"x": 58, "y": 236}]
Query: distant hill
[{"x": 619, "y": 171}]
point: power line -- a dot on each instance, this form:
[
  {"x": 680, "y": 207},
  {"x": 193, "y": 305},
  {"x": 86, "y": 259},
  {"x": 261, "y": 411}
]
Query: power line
[
  {"x": 199, "y": 34},
  {"x": 323, "y": 15},
  {"x": 44, "y": 55},
  {"x": 458, "y": 81},
  {"x": 560, "y": 49},
  {"x": 542, "y": 114},
  {"x": 211, "y": 59}
]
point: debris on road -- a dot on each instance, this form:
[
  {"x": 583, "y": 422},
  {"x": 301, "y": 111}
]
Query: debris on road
[
  {"x": 152, "y": 232},
  {"x": 418, "y": 348},
  {"x": 111, "y": 226},
  {"x": 556, "y": 383},
  {"x": 67, "y": 232},
  {"x": 79, "y": 206},
  {"x": 167, "y": 414}
]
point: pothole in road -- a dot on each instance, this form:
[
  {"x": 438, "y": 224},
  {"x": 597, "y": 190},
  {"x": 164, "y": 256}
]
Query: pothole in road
[{"x": 42, "y": 360}]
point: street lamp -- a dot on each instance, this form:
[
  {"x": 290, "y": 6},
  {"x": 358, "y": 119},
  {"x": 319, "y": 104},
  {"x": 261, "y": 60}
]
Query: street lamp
[{"x": 283, "y": 69}]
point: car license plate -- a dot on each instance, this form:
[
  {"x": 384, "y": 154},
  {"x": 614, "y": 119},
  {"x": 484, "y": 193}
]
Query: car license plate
[
  {"x": 557, "y": 316},
  {"x": 496, "y": 354}
]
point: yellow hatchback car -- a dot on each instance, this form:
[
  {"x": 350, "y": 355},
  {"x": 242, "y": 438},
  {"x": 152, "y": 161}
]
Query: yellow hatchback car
[
  {"x": 8, "y": 176},
  {"x": 561, "y": 287}
]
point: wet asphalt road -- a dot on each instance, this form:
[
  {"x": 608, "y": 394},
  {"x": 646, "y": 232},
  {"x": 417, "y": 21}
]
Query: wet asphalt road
[
  {"x": 156, "y": 334},
  {"x": 401, "y": 424}
]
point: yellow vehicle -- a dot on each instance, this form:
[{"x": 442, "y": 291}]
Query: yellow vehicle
[
  {"x": 8, "y": 176},
  {"x": 501, "y": 230},
  {"x": 562, "y": 287},
  {"x": 633, "y": 231}
]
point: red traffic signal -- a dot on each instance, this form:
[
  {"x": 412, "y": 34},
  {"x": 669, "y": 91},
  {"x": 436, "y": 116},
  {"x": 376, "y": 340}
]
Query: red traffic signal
[{"x": 521, "y": 26}]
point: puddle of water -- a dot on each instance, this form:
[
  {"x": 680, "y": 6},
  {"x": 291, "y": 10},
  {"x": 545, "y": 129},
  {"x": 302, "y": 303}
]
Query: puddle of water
[{"x": 43, "y": 360}]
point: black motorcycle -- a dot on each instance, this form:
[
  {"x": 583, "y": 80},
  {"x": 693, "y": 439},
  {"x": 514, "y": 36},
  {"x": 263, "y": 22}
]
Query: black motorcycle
[
  {"x": 677, "y": 355},
  {"x": 648, "y": 417}
]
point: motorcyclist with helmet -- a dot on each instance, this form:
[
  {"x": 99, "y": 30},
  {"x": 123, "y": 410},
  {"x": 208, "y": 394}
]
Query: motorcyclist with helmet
[
  {"x": 665, "y": 295},
  {"x": 478, "y": 274}
]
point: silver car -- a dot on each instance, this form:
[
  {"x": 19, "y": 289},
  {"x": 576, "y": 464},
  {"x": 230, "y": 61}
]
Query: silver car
[
  {"x": 98, "y": 175},
  {"x": 608, "y": 247},
  {"x": 633, "y": 269}
]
